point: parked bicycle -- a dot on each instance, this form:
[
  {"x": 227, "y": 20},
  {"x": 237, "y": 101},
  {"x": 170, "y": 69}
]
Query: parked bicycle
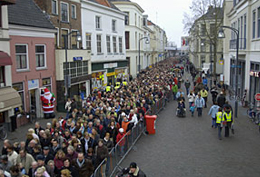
[
  {"x": 3, "y": 132},
  {"x": 251, "y": 112}
]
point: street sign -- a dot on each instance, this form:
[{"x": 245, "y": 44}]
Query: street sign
[
  {"x": 235, "y": 66},
  {"x": 257, "y": 97}
]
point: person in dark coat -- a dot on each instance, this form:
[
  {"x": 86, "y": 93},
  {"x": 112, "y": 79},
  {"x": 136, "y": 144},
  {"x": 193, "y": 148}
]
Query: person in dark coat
[
  {"x": 87, "y": 142},
  {"x": 221, "y": 100},
  {"x": 83, "y": 166},
  {"x": 47, "y": 155},
  {"x": 135, "y": 170},
  {"x": 68, "y": 165},
  {"x": 37, "y": 128}
]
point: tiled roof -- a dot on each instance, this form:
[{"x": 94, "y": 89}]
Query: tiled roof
[
  {"x": 27, "y": 13},
  {"x": 122, "y": 0},
  {"x": 107, "y": 3}
]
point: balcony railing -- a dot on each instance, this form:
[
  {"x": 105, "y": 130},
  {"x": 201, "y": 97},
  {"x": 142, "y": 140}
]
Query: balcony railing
[{"x": 233, "y": 44}]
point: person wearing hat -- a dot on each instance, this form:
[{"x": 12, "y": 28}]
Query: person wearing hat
[
  {"x": 121, "y": 140},
  {"x": 47, "y": 154},
  {"x": 134, "y": 170}
]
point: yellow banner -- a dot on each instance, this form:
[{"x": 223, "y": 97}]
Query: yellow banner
[{"x": 111, "y": 74}]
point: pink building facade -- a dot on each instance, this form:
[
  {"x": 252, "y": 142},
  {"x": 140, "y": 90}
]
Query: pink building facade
[{"x": 33, "y": 67}]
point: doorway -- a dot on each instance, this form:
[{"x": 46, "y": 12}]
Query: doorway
[{"x": 34, "y": 100}]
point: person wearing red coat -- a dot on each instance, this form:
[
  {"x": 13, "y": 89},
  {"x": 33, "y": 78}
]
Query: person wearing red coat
[{"x": 119, "y": 136}]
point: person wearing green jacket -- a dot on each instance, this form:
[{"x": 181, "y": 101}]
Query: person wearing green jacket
[{"x": 174, "y": 90}]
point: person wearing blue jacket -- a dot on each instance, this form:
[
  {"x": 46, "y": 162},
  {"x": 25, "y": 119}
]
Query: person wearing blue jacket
[
  {"x": 199, "y": 104},
  {"x": 212, "y": 112}
]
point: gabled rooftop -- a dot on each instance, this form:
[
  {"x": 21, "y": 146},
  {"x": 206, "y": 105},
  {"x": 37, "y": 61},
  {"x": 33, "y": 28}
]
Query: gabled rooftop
[{"x": 27, "y": 13}]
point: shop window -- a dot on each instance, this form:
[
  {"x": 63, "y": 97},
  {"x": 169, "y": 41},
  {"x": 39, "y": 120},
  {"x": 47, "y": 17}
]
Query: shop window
[
  {"x": 46, "y": 82},
  {"x": 20, "y": 89}
]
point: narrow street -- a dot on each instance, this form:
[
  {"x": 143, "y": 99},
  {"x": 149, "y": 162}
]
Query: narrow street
[{"x": 189, "y": 147}]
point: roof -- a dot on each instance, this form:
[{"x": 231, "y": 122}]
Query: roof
[
  {"x": 212, "y": 13},
  {"x": 27, "y": 13},
  {"x": 106, "y": 3},
  {"x": 122, "y": 0}
]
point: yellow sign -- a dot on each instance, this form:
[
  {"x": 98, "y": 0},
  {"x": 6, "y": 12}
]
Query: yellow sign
[
  {"x": 111, "y": 74},
  {"x": 221, "y": 62}
]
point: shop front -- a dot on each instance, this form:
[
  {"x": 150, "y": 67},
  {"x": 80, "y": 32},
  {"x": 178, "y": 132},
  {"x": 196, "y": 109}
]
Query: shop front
[
  {"x": 241, "y": 76},
  {"x": 107, "y": 73},
  {"x": 254, "y": 87}
]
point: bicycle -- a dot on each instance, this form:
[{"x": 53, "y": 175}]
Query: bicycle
[
  {"x": 3, "y": 132},
  {"x": 251, "y": 112},
  {"x": 231, "y": 94}
]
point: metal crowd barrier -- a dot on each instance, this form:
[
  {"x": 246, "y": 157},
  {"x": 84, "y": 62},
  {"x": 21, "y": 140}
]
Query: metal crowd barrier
[{"x": 111, "y": 165}]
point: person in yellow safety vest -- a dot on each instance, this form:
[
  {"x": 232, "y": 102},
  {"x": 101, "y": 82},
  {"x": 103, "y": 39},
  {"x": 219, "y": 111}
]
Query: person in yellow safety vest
[
  {"x": 204, "y": 95},
  {"x": 124, "y": 83},
  {"x": 219, "y": 122},
  {"x": 108, "y": 88},
  {"x": 118, "y": 84},
  {"x": 228, "y": 117}
]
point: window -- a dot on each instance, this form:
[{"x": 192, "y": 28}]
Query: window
[
  {"x": 54, "y": 7},
  {"x": 21, "y": 56},
  {"x": 113, "y": 25},
  {"x": 203, "y": 45},
  {"x": 120, "y": 45},
  {"x": 2, "y": 76},
  {"x": 64, "y": 33},
  {"x": 241, "y": 27},
  {"x": 98, "y": 22},
  {"x": 0, "y": 17},
  {"x": 74, "y": 39},
  {"x": 57, "y": 37},
  {"x": 73, "y": 12},
  {"x": 254, "y": 16},
  {"x": 258, "y": 22},
  {"x": 114, "y": 44},
  {"x": 203, "y": 30},
  {"x": 20, "y": 89},
  {"x": 245, "y": 31},
  {"x": 108, "y": 45},
  {"x": 99, "y": 42},
  {"x": 127, "y": 34},
  {"x": 40, "y": 55},
  {"x": 212, "y": 29},
  {"x": 88, "y": 41},
  {"x": 76, "y": 69},
  {"x": 64, "y": 12},
  {"x": 126, "y": 18},
  {"x": 46, "y": 82}
]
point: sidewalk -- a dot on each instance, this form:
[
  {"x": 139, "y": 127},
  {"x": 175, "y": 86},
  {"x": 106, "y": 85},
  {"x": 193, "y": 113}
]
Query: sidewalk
[{"x": 20, "y": 133}]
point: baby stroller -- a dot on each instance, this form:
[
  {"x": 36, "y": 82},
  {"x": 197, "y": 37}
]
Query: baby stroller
[{"x": 181, "y": 111}]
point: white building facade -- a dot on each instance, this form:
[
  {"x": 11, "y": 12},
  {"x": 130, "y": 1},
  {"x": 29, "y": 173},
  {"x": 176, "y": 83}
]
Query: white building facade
[
  {"x": 243, "y": 16},
  {"x": 103, "y": 29}
]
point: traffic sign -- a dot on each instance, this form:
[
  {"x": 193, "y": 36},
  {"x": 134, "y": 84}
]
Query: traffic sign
[{"x": 257, "y": 97}]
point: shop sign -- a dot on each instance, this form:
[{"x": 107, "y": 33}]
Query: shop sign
[
  {"x": 110, "y": 65},
  {"x": 254, "y": 74},
  {"x": 97, "y": 75},
  {"x": 111, "y": 74},
  {"x": 118, "y": 71},
  {"x": 32, "y": 84},
  {"x": 77, "y": 58}
]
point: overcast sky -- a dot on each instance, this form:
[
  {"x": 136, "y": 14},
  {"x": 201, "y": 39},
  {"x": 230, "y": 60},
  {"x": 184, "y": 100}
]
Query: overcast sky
[{"x": 169, "y": 16}]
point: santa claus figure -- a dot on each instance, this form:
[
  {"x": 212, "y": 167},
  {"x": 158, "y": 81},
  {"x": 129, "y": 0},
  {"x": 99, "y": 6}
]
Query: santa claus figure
[{"x": 48, "y": 100}]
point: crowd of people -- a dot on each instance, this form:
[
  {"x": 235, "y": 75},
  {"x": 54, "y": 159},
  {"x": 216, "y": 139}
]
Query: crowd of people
[{"x": 75, "y": 145}]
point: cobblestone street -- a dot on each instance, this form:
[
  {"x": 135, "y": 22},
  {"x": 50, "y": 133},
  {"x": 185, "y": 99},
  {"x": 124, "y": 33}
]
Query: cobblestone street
[{"x": 189, "y": 147}]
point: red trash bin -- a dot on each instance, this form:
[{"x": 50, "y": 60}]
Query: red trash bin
[{"x": 150, "y": 123}]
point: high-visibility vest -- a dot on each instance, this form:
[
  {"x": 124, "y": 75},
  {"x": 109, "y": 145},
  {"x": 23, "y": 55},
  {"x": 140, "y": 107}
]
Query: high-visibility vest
[
  {"x": 117, "y": 87},
  {"x": 219, "y": 117},
  {"x": 228, "y": 116},
  {"x": 108, "y": 88},
  {"x": 124, "y": 82},
  {"x": 118, "y": 84}
]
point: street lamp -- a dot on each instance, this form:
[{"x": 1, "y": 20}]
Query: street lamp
[
  {"x": 221, "y": 34},
  {"x": 210, "y": 51},
  {"x": 78, "y": 38},
  {"x": 147, "y": 42}
]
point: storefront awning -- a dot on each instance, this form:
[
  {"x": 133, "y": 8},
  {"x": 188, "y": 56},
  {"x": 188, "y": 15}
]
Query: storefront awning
[
  {"x": 9, "y": 99},
  {"x": 5, "y": 59}
]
